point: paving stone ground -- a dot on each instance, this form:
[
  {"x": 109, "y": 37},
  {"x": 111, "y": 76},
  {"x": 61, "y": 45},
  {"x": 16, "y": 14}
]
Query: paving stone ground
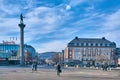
[{"x": 20, "y": 73}]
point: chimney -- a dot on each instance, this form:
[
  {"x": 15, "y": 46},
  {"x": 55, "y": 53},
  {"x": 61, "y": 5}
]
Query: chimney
[{"x": 103, "y": 38}]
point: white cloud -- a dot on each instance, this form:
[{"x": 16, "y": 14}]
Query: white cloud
[
  {"x": 68, "y": 7},
  {"x": 90, "y": 8},
  {"x": 29, "y": 4},
  {"x": 110, "y": 27},
  {"x": 112, "y": 21},
  {"x": 9, "y": 25},
  {"x": 41, "y": 21},
  {"x": 60, "y": 20},
  {"x": 76, "y": 2},
  {"x": 57, "y": 46},
  {"x": 9, "y": 8}
]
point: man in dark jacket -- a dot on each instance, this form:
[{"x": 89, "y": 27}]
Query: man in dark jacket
[{"x": 59, "y": 69}]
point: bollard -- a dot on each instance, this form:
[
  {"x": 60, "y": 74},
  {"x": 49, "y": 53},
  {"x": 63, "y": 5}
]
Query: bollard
[
  {"x": 77, "y": 66},
  {"x": 110, "y": 69},
  {"x": 66, "y": 65}
]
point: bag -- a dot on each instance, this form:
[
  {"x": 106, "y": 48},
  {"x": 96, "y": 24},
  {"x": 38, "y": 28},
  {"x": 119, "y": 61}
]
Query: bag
[{"x": 60, "y": 71}]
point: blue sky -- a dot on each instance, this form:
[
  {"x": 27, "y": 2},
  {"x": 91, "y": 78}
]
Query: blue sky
[{"x": 51, "y": 24}]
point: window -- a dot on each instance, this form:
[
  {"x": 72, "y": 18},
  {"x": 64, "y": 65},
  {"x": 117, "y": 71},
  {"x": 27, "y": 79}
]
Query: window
[
  {"x": 105, "y": 44},
  {"x": 71, "y": 44},
  {"x": 77, "y": 44},
  {"x": 86, "y": 44},
  {"x": 96, "y": 44},
  {"x": 82, "y": 44},
  {"x": 101, "y": 44},
  {"x": 91, "y": 44}
]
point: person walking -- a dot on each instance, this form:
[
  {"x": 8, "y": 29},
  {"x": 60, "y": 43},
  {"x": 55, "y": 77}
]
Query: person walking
[
  {"x": 58, "y": 70},
  {"x": 33, "y": 66}
]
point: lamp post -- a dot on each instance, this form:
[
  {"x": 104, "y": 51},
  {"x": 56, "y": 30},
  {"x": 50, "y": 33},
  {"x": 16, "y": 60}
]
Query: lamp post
[
  {"x": 59, "y": 58},
  {"x": 22, "y": 25}
]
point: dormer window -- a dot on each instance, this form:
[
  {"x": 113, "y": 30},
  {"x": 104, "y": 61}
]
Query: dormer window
[
  {"x": 77, "y": 44},
  {"x": 105, "y": 44},
  {"x": 91, "y": 44},
  {"x": 86, "y": 44},
  {"x": 96, "y": 44},
  {"x": 82, "y": 44}
]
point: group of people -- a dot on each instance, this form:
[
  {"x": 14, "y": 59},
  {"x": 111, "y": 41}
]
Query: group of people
[
  {"x": 34, "y": 66},
  {"x": 58, "y": 68},
  {"x": 105, "y": 67}
]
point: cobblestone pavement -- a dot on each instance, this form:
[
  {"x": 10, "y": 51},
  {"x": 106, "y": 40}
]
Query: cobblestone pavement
[{"x": 20, "y": 73}]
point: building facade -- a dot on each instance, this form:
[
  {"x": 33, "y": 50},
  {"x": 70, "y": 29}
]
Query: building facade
[
  {"x": 90, "y": 50},
  {"x": 10, "y": 52},
  {"x": 118, "y": 56}
]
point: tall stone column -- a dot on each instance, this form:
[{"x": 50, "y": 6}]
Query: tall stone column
[{"x": 22, "y": 25}]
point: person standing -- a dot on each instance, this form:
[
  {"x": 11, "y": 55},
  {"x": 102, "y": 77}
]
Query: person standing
[
  {"x": 106, "y": 66},
  {"x": 59, "y": 69},
  {"x": 36, "y": 66},
  {"x": 33, "y": 66}
]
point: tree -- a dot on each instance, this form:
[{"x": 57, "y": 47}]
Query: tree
[
  {"x": 55, "y": 57},
  {"x": 102, "y": 58}
]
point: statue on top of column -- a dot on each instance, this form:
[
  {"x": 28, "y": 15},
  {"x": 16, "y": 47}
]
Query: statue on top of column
[{"x": 21, "y": 18}]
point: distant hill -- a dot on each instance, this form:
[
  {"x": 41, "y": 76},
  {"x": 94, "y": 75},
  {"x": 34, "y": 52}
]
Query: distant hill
[{"x": 46, "y": 55}]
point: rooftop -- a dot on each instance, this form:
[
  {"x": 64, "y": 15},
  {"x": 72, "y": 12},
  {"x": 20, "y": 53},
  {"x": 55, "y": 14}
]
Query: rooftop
[{"x": 102, "y": 40}]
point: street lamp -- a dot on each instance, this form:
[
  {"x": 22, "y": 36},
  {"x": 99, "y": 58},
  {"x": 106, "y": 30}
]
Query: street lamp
[{"x": 59, "y": 58}]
